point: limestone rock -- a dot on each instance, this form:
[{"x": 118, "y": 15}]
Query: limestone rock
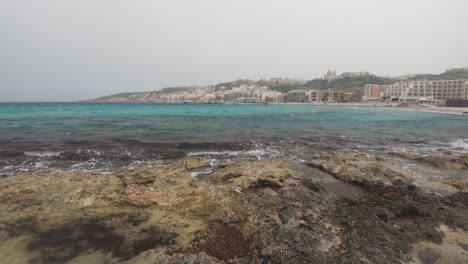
[
  {"x": 261, "y": 174},
  {"x": 247, "y": 212},
  {"x": 195, "y": 163},
  {"x": 360, "y": 168},
  {"x": 452, "y": 162}
]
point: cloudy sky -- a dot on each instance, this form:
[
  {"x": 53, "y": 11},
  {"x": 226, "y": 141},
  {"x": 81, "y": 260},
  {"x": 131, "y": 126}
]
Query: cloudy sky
[{"x": 56, "y": 50}]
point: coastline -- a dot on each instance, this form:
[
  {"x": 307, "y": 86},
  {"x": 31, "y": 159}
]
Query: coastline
[
  {"x": 285, "y": 184},
  {"x": 420, "y": 108},
  {"x": 394, "y": 105},
  {"x": 334, "y": 209}
]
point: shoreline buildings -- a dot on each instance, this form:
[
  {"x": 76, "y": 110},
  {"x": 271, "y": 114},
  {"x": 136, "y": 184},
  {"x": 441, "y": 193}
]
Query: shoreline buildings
[
  {"x": 312, "y": 96},
  {"x": 420, "y": 91},
  {"x": 250, "y": 94},
  {"x": 331, "y": 75}
]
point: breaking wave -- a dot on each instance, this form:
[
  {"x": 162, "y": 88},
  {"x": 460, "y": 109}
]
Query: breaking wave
[
  {"x": 42, "y": 154},
  {"x": 259, "y": 154},
  {"x": 460, "y": 143}
]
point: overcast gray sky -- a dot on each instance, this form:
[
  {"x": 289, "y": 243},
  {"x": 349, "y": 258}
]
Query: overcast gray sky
[{"x": 57, "y": 50}]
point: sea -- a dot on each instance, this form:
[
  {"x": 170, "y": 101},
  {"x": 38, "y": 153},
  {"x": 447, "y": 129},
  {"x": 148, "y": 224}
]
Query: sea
[{"x": 102, "y": 137}]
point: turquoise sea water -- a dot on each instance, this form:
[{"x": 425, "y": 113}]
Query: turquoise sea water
[
  {"x": 169, "y": 122},
  {"x": 164, "y": 131}
]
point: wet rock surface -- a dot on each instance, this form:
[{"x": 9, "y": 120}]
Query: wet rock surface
[
  {"x": 343, "y": 208},
  {"x": 451, "y": 161}
]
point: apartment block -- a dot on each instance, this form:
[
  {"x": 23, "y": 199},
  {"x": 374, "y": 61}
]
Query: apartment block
[
  {"x": 231, "y": 96},
  {"x": 419, "y": 91},
  {"x": 296, "y": 96},
  {"x": 372, "y": 92}
]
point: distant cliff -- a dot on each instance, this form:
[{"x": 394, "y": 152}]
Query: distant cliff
[{"x": 140, "y": 97}]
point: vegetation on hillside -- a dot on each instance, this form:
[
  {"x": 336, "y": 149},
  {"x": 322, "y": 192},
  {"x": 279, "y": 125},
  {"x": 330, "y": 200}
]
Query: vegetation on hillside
[
  {"x": 448, "y": 75},
  {"x": 344, "y": 84},
  {"x": 236, "y": 83},
  {"x": 113, "y": 96},
  {"x": 348, "y": 84}
]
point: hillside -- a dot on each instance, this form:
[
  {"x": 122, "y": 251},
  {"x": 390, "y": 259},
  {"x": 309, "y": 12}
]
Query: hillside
[
  {"x": 451, "y": 74},
  {"x": 347, "y": 82},
  {"x": 281, "y": 85},
  {"x": 284, "y": 85},
  {"x": 140, "y": 96},
  {"x": 111, "y": 97},
  {"x": 236, "y": 83}
]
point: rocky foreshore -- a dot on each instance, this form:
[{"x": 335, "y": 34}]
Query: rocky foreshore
[{"x": 342, "y": 208}]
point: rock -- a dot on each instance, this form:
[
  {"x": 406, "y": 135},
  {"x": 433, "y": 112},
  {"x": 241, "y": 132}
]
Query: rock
[
  {"x": 450, "y": 162},
  {"x": 141, "y": 176},
  {"x": 360, "y": 168},
  {"x": 261, "y": 183},
  {"x": 139, "y": 197},
  {"x": 461, "y": 185},
  {"x": 88, "y": 201},
  {"x": 224, "y": 176},
  {"x": 247, "y": 212},
  {"x": 226, "y": 243},
  {"x": 186, "y": 258},
  {"x": 448, "y": 250},
  {"x": 195, "y": 163},
  {"x": 260, "y": 174},
  {"x": 429, "y": 256}
]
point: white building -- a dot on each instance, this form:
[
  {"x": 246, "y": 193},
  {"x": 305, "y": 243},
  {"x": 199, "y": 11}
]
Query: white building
[{"x": 424, "y": 90}]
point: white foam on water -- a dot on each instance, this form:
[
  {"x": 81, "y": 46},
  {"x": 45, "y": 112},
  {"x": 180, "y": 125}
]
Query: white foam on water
[
  {"x": 260, "y": 154},
  {"x": 41, "y": 154},
  {"x": 89, "y": 152},
  {"x": 42, "y": 164},
  {"x": 418, "y": 148},
  {"x": 460, "y": 143},
  {"x": 213, "y": 162}
]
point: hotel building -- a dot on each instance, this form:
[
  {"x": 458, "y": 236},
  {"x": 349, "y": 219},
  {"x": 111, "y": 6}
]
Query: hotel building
[
  {"x": 296, "y": 96},
  {"x": 419, "y": 91}
]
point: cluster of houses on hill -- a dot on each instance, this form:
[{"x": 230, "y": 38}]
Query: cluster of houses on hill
[
  {"x": 254, "y": 94},
  {"x": 251, "y": 94}
]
